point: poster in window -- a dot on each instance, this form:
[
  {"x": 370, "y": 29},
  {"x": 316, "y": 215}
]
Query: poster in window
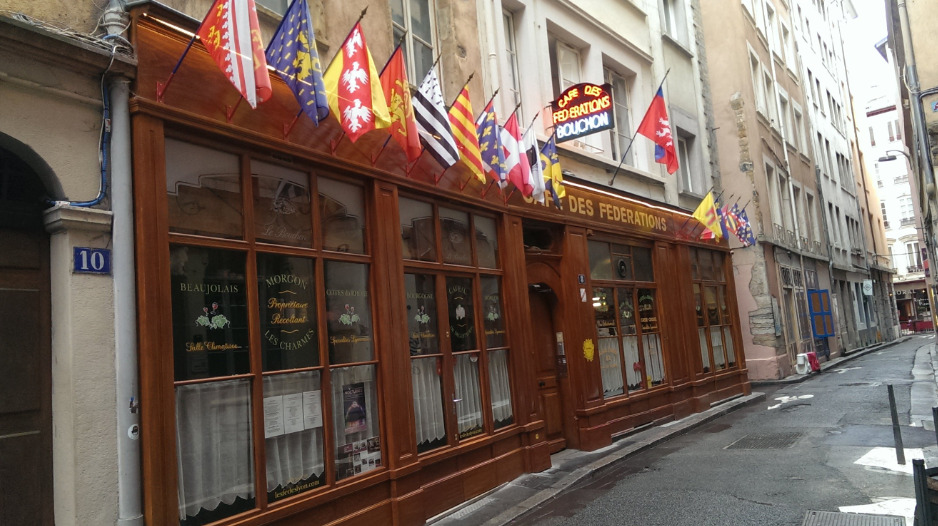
[
  {"x": 648, "y": 314},
  {"x": 461, "y": 313},
  {"x": 209, "y": 312},
  {"x": 286, "y": 293},
  {"x": 356, "y": 417},
  {"x": 493, "y": 318},
  {"x": 421, "y": 314}
]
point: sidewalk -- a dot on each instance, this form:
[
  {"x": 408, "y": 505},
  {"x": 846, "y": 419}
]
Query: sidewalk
[{"x": 569, "y": 467}]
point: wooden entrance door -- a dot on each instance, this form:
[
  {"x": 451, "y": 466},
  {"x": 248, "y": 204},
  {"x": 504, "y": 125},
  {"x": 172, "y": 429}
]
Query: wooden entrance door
[
  {"x": 549, "y": 369},
  {"x": 25, "y": 355}
]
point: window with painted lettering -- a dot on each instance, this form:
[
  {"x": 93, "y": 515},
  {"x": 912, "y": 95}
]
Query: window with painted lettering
[
  {"x": 457, "y": 332},
  {"x": 274, "y": 360},
  {"x": 712, "y": 307},
  {"x": 626, "y": 312}
]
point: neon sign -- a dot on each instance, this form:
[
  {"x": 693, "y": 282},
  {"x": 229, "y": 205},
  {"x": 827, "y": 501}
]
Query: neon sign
[{"x": 581, "y": 110}]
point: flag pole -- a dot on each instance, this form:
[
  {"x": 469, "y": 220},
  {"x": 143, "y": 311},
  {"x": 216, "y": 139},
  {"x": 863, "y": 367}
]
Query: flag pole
[
  {"x": 374, "y": 160},
  {"x": 411, "y": 166},
  {"x": 629, "y": 148},
  {"x": 287, "y": 128},
  {"x": 161, "y": 87},
  {"x": 486, "y": 189}
]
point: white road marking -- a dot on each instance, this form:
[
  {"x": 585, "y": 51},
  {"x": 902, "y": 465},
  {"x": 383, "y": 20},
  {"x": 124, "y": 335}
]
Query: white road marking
[{"x": 785, "y": 399}]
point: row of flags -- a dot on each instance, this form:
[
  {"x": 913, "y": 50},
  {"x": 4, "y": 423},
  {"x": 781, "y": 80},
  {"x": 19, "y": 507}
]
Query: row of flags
[{"x": 721, "y": 221}]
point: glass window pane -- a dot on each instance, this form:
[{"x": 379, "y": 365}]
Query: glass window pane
[
  {"x": 713, "y": 313},
  {"x": 610, "y": 367},
  {"x": 600, "y": 260},
  {"x": 486, "y": 242},
  {"x": 348, "y": 309},
  {"x": 698, "y": 306},
  {"x": 627, "y": 311},
  {"x": 282, "y": 211},
  {"x": 287, "y": 295},
  {"x": 428, "y": 403},
  {"x": 647, "y": 310},
  {"x": 423, "y": 60},
  {"x": 706, "y": 264},
  {"x": 500, "y": 386},
  {"x": 420, "y": 19},
  {"x": 654, "y": 362},
  {"x": 633, "y": 364},
  {"x": 704, "y": 348},
  {"x": 203, "y": 188},
  {"x": 694, "y": 264},
  {"x": 342, "y": 210},
  {"x": 728, "y": 342},
  {"x": 467, "y": 397},
  {"x": 454, "y": 232},
  {"x": 622, "y": 262},
  {"x": 494, "y": 319},
  {"x": 216, "y": 459},
  {"x": 724, "y": 306},
  {"x": 421, "y": 314},
  {"x": 418, "y": 235},
  {"x": 642, "y": 258},
  {"x": 293, "y": 433},
  {"x": 459, "y": 299},
  {"x": 605, "y": 315},
  {"x": 718, "y": 267},
  {"x": 716, "y": 342},
  {"x": 397, "y": 12},
  {"x": 355, "y": 420},
  {"x": 210, "y": 321}
]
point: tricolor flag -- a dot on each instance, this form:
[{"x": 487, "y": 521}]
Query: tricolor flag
[
  {"x": 490, "y": 145},
  {"x": 706, "y": 213},
  {"x": 353, "y": 88},
  {"x": 464, "y": 131},
  {"x": 433, "y": 123},
  {"x": 231, "y": 34},
  {"x": 292, "y": 52},
  {"x": 553, "y": 176},
  {"x": 655, "y": 126},
  {"x": 396, "y": 92},
  {"x": 519, "y": 172}
]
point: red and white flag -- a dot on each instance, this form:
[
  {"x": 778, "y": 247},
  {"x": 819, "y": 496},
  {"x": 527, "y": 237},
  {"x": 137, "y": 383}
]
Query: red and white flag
[
  {"x": 232, "y": 36},
  {"x": 655, "y": 126},
  {"x": 516, "y": 158}
]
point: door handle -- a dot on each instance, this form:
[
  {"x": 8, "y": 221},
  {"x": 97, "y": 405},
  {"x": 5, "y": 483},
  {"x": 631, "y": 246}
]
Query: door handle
[{"x": 542, "y": 383}]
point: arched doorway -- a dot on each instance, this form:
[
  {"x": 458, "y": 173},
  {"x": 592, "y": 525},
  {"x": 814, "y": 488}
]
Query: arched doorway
[{"x": 25, "y": 348}]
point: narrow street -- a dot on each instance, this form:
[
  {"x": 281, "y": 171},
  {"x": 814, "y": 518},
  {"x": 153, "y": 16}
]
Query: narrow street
[{"x": 824, "y": 444}]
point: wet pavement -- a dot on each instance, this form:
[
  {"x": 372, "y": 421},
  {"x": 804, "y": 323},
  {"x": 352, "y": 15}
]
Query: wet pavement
[{"x": 690, "y": 472}]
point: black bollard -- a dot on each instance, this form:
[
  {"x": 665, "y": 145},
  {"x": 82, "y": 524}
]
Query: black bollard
[
  {"x": 897, "y": 434},
  {"x": 934, "y": 420}
]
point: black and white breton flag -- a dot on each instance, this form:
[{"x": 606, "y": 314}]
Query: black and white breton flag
[{"x": 433, "y": 121}]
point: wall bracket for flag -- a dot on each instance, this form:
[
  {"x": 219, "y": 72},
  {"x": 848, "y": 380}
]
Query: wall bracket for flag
[
  {"x": 410, "y": 167},
  {"x": 486, "y": 189},
  {"x": 161, "y": 87},
  {"x": 287, "y": 128},
  {"x": 464, "y": 185},
  {"x": 334, "y": 143},
  {"x": 436, "y": 180},
  {"x": 230, "y": 111}
]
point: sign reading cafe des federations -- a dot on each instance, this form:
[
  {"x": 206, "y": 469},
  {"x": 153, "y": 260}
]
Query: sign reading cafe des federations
[{"x": 582, "y": 109}]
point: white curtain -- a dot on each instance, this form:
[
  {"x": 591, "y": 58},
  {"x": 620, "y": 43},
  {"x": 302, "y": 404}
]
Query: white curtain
[
  {"x": 610, "y": 366},
  {"x": 500, "y": 386},
  {"x": 632, "y": 374},
  {"x": 296, "y": 456},
  {"x": 654, "y": 364},
  {"x": 716, "y": 340},
  {"x": 704, "y": 348},
  {"x": 428, "y": 400},
  {"x": 728, "y": 338},
  {"x": 469, "y": 406},
  {"x": 213, "y": 440}
]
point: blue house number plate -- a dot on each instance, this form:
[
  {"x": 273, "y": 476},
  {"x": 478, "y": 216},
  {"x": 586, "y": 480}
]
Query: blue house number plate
[{"x": 92, "y": 260}]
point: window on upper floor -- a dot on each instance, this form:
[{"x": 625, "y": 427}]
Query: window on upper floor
[
  {"x": 797, "y": 129},
  {"x": 770, "y": 102},
  {"x": 622, "y": 133},
  {"x": 898, "y": 131},
  {"x": 565, "y": 66},
  {"x": 689, "y": 174},
  {"x": 511, "y": 54},
  {"x": 673, "y": 20},
  {"x": 785, "y": 117},
  {"x": 758, "y": 88},
  {"x": 892, "y": 134},
  {"x": 772, "y": 29},
  {"x": 906, "y": 211},
  {"x": 414, "y": 20},
  {"x": 872, "y": 137},
  {"x": 277, "y": 6}
]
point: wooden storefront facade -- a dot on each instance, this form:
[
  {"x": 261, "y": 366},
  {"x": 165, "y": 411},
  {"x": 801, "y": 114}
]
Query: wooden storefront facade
[{"x": 328, "y": 335}]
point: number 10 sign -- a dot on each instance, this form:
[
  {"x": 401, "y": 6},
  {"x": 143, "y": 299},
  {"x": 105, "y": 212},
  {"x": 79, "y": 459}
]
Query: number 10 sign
[{"x": 92, "y": 260}]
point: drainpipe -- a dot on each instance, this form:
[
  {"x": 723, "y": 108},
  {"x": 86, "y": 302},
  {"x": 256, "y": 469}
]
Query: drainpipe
[{"x": 125, "y": 298}]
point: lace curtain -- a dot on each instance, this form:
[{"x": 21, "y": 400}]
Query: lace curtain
[
  {"x": 428, "y": 400},
  {"x": 468, "y": 399},
  {"x": 654, "y": 363},
  {"x": 213, "y": 439},
  {"x": 610, "y": 367},
  {"x": 500, "y": 387},
  {"x": 633, "y": 371},
  {"x": 298, "y": 455}
]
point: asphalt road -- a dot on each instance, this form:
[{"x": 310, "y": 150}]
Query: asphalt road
[{"x": 823, "y": 444}]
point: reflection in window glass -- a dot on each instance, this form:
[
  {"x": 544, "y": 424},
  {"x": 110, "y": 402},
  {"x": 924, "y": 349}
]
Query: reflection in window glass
[
  {"x": 493, "y": 317},
  {"x": 342, "y": 209},
  {"x": 468, "y": 398},
  {"x": 500, "y": 385},
  {"x": 421, "y": 314},
  {"x": 651, "y": 340},
  {"x": 282, "y": 212},
  {"x": 608, "y": 342},
  {"x": 348, "y": 310},
  {"x": 355, "y": 420},
  {"x": 622, "y": 262},
  {"x": 643, "y": 269},
  {"x": 203, "y": 188},
  {"x": 418, "y": 235},
  {"x": 293, "y": 433},
  {"x": 600, "y": 266},
  {"x": 486, "y": 242},
  {"x": 454, "y": 231},
  {"x": 215, "y": 450},
  {"x": 210, "y": 321},
  {"x": 461, "y": 313},
  {"x": 287, "y": 303}
]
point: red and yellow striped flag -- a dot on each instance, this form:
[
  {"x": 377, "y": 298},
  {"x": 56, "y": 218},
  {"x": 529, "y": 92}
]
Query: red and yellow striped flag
[{"x": 464, "y": 131}]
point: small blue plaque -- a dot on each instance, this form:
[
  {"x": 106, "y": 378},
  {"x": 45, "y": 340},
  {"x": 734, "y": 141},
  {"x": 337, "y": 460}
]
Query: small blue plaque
[{"x": 92, "y": 260}]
